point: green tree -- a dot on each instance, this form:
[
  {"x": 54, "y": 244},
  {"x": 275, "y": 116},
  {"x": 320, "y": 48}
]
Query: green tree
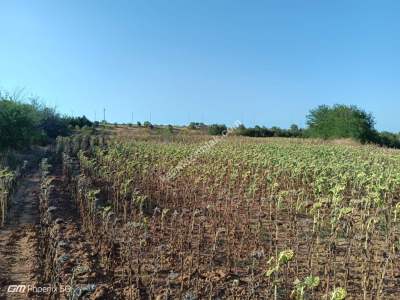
[
  {"x": 341, "y": 121},
  {"x": 295, "y": 131}
]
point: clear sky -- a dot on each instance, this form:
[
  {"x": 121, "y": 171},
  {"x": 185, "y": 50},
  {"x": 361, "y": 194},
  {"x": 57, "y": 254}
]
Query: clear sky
[{"x": 260, "y": 62}]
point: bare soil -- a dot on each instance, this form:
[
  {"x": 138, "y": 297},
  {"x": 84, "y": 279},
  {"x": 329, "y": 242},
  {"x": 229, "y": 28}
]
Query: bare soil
[{"x": 18, "y": 238}]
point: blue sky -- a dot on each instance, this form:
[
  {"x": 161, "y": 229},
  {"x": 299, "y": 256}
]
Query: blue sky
[{"x": 260, "y": 62}]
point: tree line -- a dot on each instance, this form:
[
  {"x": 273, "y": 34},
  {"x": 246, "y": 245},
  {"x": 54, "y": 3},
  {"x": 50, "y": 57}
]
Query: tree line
[
  {"x": 24, "y": 124},
  {"x": 325, "y": 122}
]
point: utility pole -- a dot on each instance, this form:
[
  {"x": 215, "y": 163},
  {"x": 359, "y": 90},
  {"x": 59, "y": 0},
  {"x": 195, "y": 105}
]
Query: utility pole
[
  {"x": 132, "y": 118},
  {"x": 104, "y": 115},
  {"x": 95, "y": 116}
]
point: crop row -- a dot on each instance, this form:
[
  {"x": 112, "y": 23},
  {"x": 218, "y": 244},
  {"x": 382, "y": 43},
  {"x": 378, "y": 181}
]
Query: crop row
[{"x": 244, "y": 219}]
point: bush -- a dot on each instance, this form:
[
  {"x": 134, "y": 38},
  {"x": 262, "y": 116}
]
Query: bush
[
  {"x": 196, "y": 125},
  {"x": 78, "y": 121},
  {"x": 24, "y": 124},
  {"x": 18, "y": 124},
  {"x": 389, "y": 139},
  {"x": 52, "y": 124},
  {"x": 217, "y": 129},
  {"x": 258, "y": 131},
  {"x": 147, "y": 124}
]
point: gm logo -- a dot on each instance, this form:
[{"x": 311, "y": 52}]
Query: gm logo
[{"x": 16, "y": 288}]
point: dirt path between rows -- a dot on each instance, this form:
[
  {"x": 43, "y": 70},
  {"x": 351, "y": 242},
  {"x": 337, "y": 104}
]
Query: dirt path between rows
[{"x": 18, "y": 238}]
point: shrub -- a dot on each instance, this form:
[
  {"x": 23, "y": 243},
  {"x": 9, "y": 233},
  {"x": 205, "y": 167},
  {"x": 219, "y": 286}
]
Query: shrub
[
  {"x": 18, "y": 124},
  {"x": 388, "y": 139},
  {"x": 147, "y": 124},
  {"x": 258, "y": 131},
  {"x": 23, "y": 124},
  {"x": 78, "y": 121},
  {"x": 217, "y": 129},
  {"x": 196, "y": 125}
]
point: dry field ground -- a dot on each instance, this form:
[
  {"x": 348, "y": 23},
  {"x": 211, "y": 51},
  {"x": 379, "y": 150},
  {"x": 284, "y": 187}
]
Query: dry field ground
[{"x": 134, "y": 213}]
